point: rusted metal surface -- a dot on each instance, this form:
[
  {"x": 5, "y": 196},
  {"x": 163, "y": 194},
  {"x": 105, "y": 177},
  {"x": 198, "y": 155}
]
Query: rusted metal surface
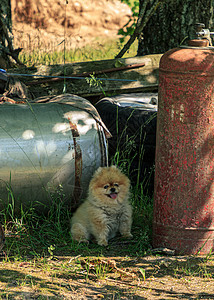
[
  {"x": 184, "y": 177},
  {"x": 77, "y": 193},
  {"x": 102, "y": 141},
  {"x": 198, "y": 43},
  {"x": 46, "y": 145}
]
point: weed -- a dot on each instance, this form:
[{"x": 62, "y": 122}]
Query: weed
[
  {"x": 51, "y": 249},
  {"x": 143, "y": 273},
  {"x": 101, "y": 269},
  {"x": 93, "y": 81}
]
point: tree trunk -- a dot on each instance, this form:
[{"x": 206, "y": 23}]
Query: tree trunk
[
  {"x": 173, "y": 24},
  {"x": 6, "y": 36},
  {"x": 6, "y": 23}
]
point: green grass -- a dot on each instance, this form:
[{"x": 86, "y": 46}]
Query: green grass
[
  {"x": 98, "y": 50},
  {"x": 32, "y": 234}
]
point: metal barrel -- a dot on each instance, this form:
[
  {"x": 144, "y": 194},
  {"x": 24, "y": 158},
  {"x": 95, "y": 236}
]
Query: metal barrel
[
  {"x": 49, "y": 146},
  {"x": 184, "y": 172}
]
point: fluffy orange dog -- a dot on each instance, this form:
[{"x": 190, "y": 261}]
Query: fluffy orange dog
[{"x": 106, "y": 210}]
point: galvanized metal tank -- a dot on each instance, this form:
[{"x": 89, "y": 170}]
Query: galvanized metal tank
[
  {"x": 184, "y": 175},
  {"x": 56, "y": 142},
  {"x": 146, "y": 101}
]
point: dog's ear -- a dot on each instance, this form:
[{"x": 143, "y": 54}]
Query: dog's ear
[
  {"x": 98, "y": 170},
  {"x": 114, "y": 167}
]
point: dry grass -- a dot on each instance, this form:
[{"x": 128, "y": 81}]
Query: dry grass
[{"x": 39, "y": 49}]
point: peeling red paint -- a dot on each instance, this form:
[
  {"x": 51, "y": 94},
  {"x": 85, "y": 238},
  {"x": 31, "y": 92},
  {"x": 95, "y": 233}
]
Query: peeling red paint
[{"x": 184, "y": 188}]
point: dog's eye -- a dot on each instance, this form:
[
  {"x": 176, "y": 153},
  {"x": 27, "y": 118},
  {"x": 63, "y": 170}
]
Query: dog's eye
[
  {"x": 106, "y": 186},
  {"x": 116, "y": 184}
]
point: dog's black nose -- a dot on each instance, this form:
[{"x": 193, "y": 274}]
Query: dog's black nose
[{"x": 112, "y": 190}]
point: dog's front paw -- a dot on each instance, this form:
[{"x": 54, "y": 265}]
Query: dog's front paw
[
  {"x": 83, "y": 241},
  {"x": 128, "y": 235},
  {"x": 102, "y": 242}
]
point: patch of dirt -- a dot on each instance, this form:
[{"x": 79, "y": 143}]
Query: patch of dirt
[
  {"x": 78, "y": 21},
  {"x": 102, "y": 278}
]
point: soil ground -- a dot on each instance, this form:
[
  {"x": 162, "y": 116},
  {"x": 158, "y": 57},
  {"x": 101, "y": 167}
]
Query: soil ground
[
  {"x": 78, "y": 21},
  {"x": 76, "y": 277}
]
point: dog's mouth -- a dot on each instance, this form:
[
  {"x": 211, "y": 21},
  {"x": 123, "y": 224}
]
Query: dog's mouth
[{"x": 112, "y": 195}]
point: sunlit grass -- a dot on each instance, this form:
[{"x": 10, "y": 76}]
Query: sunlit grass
[{"x": 97, "y": 50}]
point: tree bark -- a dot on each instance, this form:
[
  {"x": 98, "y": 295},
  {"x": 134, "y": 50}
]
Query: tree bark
[
  {"x": 173, "y": 24},
  {"x": 5, "y": 22},
  {"x": 143, "y": 17},
  {"x": 6, "y": 36}
]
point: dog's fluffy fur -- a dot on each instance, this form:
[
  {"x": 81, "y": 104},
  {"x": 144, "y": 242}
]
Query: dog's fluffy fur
[{"x": 106, "y": 210}]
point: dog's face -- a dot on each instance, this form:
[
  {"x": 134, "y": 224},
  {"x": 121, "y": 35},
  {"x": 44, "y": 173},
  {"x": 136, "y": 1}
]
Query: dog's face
[
  {"x": 109, "y": 186},
  {"x": 111, "y": 190}
]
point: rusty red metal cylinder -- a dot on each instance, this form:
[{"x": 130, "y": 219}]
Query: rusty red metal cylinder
[{"x": 184, "y": 175}]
